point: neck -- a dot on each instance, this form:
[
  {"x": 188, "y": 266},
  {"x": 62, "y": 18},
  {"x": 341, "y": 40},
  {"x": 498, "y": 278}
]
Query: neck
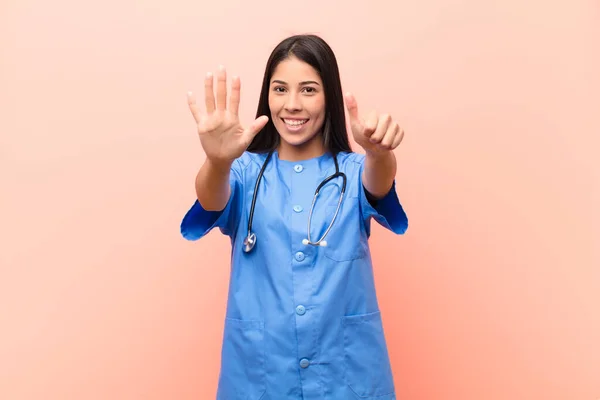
[{"x": 311, "y": 149}]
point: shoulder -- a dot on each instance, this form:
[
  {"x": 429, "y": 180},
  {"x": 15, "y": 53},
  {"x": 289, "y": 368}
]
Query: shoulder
[
  {"x": 248, "y": 162},
  {"x": 351, "y": 163},
  {"x": 355, "y": 158}
]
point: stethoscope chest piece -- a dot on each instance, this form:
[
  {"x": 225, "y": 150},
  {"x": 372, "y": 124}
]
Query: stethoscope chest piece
[{"x": 249, "y": 242}]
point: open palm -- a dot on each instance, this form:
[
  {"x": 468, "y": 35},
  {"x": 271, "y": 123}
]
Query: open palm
[{"x": 222, "y": 136}]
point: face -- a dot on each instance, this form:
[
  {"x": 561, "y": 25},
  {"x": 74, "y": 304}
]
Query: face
[{"x": 297, "y": 104}]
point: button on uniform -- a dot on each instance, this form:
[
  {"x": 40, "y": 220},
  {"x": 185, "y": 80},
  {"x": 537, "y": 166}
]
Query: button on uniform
[
  {"x": 298, "y": 208},
  {"x": 304, "y": 363},
  {"x": 300, "y": 310},
  {"x": 298, "y": 168},
  {"x": 299, "y": 256}
]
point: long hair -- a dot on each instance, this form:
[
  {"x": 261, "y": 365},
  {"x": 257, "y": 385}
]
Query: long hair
[{"x": 316, "y": 52}]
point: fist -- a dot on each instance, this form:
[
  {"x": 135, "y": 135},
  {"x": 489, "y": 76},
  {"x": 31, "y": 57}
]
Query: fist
[{"x": 376, "y": 132}]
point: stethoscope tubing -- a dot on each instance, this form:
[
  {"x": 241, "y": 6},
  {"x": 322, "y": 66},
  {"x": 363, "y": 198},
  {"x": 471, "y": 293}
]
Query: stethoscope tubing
[{"x": 250, "y": 240}]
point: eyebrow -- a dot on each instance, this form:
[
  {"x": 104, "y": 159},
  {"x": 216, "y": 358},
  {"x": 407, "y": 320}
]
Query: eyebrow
[{"x": 302, "y": 83}]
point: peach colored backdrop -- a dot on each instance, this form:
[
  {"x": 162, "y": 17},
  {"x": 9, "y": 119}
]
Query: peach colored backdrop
[{"x": 494, "y": 293}]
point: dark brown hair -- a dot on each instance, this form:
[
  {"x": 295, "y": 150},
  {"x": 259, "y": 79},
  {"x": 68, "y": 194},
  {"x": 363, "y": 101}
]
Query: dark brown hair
[{"x": 316, "y": 52}]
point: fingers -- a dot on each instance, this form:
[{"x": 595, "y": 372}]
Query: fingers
[
  {"x": 392, "y": 138},
  {"x": 383, "y": 123},
  {"x": 234, "y": 99},
  {"x": 355, "y": 122},
  {"x": 254, "y": 129},
  {"x": 221, "y": 98},
  {"x": 397, "y": 138},
  {"x": 221, "y": 88},
  {"x": 209, "y": 95},
  {"x": 191, "y": 99},
  {"x": 381, "y": 131},
  {"x": 371, "y": 124},
  {"x": 390, "y": 135},
  {"x": 352, "y": 106}
]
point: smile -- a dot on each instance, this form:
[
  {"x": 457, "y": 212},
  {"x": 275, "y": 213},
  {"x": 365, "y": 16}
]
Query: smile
[{"x": 295, "y": 122}]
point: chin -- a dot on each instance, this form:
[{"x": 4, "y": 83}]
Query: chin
[{"x": 297, "y": 141}]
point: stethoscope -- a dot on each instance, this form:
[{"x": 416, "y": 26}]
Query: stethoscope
[{"x": 250, "y": 240}]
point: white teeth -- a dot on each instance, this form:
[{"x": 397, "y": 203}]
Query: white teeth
[{"x": 295, "y": 122}]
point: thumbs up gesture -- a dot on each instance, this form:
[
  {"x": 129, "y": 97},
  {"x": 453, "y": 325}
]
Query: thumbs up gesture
[{"x": 375, "y": 133}]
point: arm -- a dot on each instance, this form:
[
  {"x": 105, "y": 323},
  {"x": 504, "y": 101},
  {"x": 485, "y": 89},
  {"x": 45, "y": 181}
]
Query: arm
[
  {"x": 218, "y": 204},
  {"x": 379, "y": 172},
  {"x": 212, "y": 185},
  {"x": 378, "y": 197},
  {"x": 222, "y": 137},
  {"x": 379, "y": 136}
]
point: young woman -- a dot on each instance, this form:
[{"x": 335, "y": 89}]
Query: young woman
[{"x": 302, "y": 319}]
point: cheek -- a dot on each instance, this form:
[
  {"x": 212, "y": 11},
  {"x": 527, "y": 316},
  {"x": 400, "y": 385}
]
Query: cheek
[
  {"x": 318, "y": 108},
  {"x": 272, "y": 105}
]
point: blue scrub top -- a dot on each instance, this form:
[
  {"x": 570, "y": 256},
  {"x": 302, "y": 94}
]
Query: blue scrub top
[{"x": 302, "y": 321}]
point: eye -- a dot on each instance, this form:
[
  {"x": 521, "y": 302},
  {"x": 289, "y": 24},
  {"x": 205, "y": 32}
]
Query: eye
[
  {"x": 310, "y": 89},
  {"x": 279, "y": 89}
]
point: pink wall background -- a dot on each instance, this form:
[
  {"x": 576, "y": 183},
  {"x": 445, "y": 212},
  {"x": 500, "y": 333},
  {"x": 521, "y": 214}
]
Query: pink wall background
[{"x": 494, "y": 292}]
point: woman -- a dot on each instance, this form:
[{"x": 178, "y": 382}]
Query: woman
[{"x": 302, "y": 318}]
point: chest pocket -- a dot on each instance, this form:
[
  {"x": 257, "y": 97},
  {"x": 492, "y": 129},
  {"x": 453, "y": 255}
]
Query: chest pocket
[{"x": 346, "y": 240}]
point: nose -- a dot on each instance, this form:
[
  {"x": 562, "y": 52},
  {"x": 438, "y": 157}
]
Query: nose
[{"x": 293, "y": 103}]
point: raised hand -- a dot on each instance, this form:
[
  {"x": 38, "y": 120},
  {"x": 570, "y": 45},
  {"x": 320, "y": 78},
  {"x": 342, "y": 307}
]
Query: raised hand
[
  {"x": 375, "y": 133},
  {"x": 222, "y": 136}
]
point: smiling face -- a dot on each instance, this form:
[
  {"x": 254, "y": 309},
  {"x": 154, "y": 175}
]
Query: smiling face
[{"x": 297, "y": 105}]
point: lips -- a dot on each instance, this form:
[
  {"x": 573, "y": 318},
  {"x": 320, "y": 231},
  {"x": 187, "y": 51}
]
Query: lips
[{"x": 295, "y": 122}]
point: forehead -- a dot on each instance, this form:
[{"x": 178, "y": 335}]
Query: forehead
[{"x": 292, "y": 70}]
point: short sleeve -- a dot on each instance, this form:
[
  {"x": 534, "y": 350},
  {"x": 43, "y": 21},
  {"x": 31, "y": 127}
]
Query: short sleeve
[
  {"x": 198, "y": 222},
  {"x": 388, "y": 211}
]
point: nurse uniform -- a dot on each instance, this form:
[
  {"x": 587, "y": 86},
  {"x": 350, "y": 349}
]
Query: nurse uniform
[{"x": 302, "y": 321}]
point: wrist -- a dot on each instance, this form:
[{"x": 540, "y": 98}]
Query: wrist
[
  {"x": 220, "y": 167},
  {"x": 379, "y": 155}
]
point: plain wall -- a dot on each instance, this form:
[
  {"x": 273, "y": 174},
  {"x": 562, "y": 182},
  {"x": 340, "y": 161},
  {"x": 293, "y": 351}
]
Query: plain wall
[{"x": 493, "y": 293}]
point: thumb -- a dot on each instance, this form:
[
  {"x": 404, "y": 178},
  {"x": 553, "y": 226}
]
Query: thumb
[
  {"x": 256, "y": 126},
  {"x": 352, "y": 107}
]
